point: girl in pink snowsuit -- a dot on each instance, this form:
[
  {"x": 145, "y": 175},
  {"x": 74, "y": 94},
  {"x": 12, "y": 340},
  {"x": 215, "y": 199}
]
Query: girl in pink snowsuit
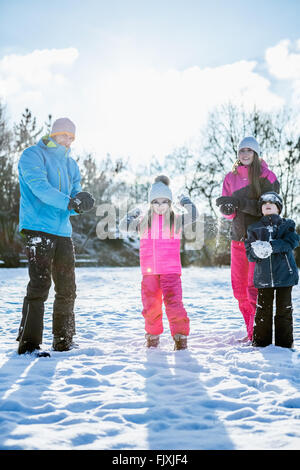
[
  {"x": 160, "y": 234},
  {"x": 242, "y": 188}
]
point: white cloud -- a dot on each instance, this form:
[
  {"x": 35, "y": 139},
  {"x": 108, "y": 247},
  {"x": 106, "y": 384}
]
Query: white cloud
[
  {"x": 33, "y": 73},
  {"x": 131, "y": 110},
  {"x": 145, "y": 111},
  {"x": 283, "y": 63}
]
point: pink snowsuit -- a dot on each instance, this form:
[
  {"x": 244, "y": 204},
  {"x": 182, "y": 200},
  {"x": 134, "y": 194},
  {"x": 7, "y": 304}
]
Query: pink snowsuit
[
  {"x": 242, "y": 271},
  {"x": 161, "y": 269}
]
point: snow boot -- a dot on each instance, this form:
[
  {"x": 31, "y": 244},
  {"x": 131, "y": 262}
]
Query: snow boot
[
  {"x": 180, "y": 342},
  {"x": 61, "y": 343},
  {"x": 152, "y": 340},
  {"x": 244, "y": 340},
  {"x": 27, "y": 347}
]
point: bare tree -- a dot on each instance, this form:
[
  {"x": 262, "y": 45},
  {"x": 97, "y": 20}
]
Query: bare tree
[
  {"x": 105, "y": 181},
  {"x": 225, "y": 127}
]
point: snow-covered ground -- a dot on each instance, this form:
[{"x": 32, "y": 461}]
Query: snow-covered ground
[{"x": 113, "y": 393}]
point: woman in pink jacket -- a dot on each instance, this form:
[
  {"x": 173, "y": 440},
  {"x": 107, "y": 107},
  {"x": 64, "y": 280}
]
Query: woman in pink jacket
[
  {"x": 160, "y": 234},
  {"x": 242, "y": 188}
]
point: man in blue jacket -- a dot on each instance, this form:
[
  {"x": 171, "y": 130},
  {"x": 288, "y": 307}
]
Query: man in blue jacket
[{"x": 50, "y": 193}]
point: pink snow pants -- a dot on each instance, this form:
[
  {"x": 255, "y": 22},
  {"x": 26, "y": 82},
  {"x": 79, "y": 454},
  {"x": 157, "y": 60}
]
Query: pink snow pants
[
  {"x": 242, "y": 272},
  {"x": 158, "y": 288}
]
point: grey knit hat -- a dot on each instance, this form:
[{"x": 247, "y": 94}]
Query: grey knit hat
[
  {"x": 63, "y": 126},
  {"x": 160, "y": 188},
  {"x": 250, "y": 143}
]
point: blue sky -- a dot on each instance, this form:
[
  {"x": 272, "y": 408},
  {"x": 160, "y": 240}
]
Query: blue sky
[
  {"x": 113, "y": 65},
  {"x": 180, "y": 33}
]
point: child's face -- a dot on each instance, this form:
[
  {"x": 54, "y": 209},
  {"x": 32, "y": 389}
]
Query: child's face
[
  {"x": 269, "y": 208},
  {"x": 160, "y": 205},
  {"x": 246, "y": 156}
]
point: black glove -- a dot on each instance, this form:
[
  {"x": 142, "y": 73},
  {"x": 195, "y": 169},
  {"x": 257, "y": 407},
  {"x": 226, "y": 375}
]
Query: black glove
[
  {"x": 82, "y": 202},
  {"x": 227, "y": 208},
  {"x": 228, "y": 200}
]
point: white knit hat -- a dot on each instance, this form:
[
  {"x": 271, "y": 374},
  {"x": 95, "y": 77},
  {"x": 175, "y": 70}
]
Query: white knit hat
[
  {"x": 250, "y": 143},
  {"x": 63, "y": 126},
  {"x": 160, "y": 188}
]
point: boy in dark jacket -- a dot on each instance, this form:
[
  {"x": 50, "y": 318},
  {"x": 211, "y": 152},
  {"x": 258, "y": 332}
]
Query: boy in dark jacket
[{"x": 270, "y": 244}]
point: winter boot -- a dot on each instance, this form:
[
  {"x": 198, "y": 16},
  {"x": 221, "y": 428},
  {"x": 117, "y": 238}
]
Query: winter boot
[
  {"x": 180, "y": 342},
  {"x": 152, "y": 340},
  {"x": 61, "y": 343},
  {"x": 27, "y": 347},
  {"x": 243, "y": 340}
]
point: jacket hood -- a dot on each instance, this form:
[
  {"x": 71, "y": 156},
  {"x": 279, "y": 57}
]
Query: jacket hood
[
  {"x": 264, "y": 168},
  {"x": 48, "y": 143}
]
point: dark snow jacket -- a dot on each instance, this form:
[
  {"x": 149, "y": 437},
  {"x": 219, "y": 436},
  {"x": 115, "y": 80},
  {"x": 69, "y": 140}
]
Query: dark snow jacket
[
  {"x": 279, "y": 269},
  {"x": 238, "y": 185}
]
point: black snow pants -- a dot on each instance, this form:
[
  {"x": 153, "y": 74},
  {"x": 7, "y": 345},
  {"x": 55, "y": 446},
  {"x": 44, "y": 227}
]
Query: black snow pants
[
  {"x": 283, "y": 321},
  {"x": 48, "y": 256}
]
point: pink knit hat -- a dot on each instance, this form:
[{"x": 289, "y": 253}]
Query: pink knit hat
[{"x": 63, "y": 126}]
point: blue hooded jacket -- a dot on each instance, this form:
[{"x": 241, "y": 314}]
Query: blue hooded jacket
[
  {"x": 48, "y": 178},
  {"x": 279, "y": 269}
]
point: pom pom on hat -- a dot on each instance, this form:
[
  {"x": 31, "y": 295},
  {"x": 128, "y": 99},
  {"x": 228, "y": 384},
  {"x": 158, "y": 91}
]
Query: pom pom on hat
[
  {"x": 163, "y": 179},
  {"x": 160, "y": 188}
]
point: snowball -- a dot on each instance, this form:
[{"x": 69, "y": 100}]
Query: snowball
[{"x": 262, "y": 249}]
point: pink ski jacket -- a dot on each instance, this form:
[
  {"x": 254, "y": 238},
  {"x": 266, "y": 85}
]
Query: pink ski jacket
[{"x": 160, "y": 249}]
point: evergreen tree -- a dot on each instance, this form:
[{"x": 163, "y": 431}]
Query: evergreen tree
[
  {"x": 26, "y": 132},
  {"x": 10, "y": 245}
]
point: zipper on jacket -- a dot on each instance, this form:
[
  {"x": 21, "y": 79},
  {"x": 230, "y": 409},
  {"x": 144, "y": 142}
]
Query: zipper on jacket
[
  {"x": 288, "y": 263},
  {"x": 154, "y": 250},
  {"x": 59, "y": 179},
  {"x": 154, "y": 256},
  {"x": 270, "y": 229},
  {"x": 271, "y": 272},
  {"x": 60, "y": 213}
]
